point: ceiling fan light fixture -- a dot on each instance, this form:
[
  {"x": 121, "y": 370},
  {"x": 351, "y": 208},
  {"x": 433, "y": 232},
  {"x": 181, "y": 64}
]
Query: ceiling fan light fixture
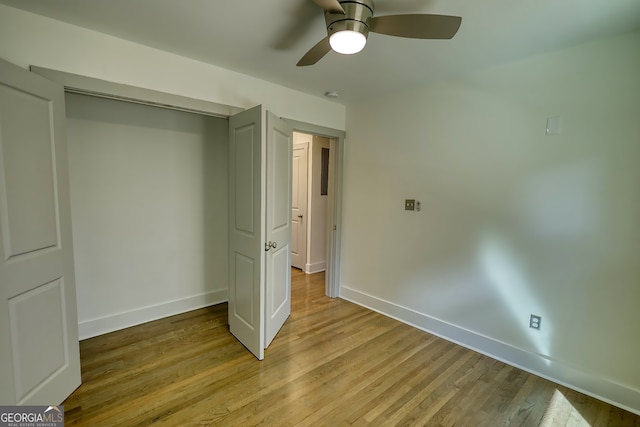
[
  {"x": 347, "y": 42},
  {"x": 350, "y": 21}
]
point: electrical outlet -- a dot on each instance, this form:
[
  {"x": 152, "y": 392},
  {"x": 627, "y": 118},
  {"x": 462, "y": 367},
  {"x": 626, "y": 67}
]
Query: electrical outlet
[
  {"x": 410, "y": 205},
  {"x": 534, "y": 322}
]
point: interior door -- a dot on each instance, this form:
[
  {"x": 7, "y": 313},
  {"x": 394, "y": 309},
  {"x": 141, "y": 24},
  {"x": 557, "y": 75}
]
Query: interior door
[
  {"x": 246, "y": 233},
  {"x": 299, "y": 206},
  {"x": 278, "y": 220},
  {"x": 259, "y": 227},
  {"x": 39, "y": 351}
]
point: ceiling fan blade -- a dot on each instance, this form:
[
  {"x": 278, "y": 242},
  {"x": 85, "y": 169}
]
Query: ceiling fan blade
[
  {"x": 332, "y": 6},
  {"x": 416, "y": 26},
  {"x": 316, "y": 53}
]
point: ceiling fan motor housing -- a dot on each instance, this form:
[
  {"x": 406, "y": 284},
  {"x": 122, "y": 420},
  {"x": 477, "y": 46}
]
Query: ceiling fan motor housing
[{"x": 357, "y": 17}]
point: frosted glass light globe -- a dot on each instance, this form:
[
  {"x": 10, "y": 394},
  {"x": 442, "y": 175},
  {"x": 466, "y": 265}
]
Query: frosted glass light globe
[{"x": 347, "y": 42}]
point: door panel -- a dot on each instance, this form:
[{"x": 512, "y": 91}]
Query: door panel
[
  {"x": 29, "y": 335},
  {"x": 278, "y": 221},
  {"x": 260, "y": 227},
  {"x": 279, "y": 297},
  {"x": 244, "y": 175},
  {"x": 27, "y": 142},
  {"x": 246, "y": 243},
  {"x": 243, "y": 293},
  {"x": 39, "y": 351},
  {"x": 299, "y": 207}
]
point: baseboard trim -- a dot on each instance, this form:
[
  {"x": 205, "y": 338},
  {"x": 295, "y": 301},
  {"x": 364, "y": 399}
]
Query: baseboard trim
[
  {"x": 554, "y": 370},
  {"x": 315, "y": 267},
  {"x": 115, "y": 322}
]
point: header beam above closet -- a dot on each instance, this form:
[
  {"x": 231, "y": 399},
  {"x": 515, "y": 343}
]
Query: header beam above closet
[{"x": 75, "y": 83}]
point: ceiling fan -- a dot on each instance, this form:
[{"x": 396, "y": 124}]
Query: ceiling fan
[{"x": 350, "y": 21}]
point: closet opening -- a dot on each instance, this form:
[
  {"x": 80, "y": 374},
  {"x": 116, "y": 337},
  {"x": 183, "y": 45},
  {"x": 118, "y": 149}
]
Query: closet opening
[
  {"x": 167, "y": 196},
  {"x": 149, "y": 191}
]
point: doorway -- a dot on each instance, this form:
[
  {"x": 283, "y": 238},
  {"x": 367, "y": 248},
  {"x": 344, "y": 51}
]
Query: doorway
[
  {"x": 299, "y": 204},
  {"x": 310, "y": 202}
]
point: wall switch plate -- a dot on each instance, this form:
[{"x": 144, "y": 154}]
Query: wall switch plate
[
  {"x": 410, "y": 205},
  {"x": 534, "y": 322}
]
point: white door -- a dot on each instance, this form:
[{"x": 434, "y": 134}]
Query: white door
[
  {"x": 259, "y": 276},
  {"x": 246, "y": 250},
  {"x": 299, "y": 206},
  {"x": 278, "y": 220},
  {"x": 39, "y": 351}
]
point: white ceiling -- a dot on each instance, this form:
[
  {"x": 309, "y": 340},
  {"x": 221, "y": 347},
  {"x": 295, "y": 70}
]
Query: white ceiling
[{"x": 242, "y": 35}]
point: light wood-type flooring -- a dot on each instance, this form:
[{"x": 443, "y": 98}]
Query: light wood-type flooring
[{"x": 333, "y": 364}]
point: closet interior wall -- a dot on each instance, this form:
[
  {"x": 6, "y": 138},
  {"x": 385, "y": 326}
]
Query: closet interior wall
[{"x": 149, "y": 211}]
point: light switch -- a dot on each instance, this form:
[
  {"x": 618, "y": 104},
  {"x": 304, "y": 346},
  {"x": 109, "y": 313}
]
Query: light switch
[{"x": 410, "y": 205}]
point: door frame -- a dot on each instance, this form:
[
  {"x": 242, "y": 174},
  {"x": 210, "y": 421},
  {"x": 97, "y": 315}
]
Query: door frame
[
  {"x": 294, "y": 180},
  {"x": 75, "y": 83},
  {"x": 334, "y": 219}
]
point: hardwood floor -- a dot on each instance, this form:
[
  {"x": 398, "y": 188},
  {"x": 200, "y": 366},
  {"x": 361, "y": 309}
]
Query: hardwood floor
[{"x": 333, "y": 363}]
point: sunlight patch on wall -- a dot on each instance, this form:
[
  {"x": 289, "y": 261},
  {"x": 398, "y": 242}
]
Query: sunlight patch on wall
[{"x": 501, "y": 267}]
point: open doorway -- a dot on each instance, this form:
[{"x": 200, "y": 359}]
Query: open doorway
[
  {"x": 310, "y": 202},
  {"x": 333, "y": 229}
]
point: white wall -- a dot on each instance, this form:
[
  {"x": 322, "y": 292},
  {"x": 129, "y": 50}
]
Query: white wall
[
  {"x": 513, "y": 222},
  {"x": 149, "y": 209},
  {"x": 28, "y": 39},
  {"x": 317, "y": 242}
]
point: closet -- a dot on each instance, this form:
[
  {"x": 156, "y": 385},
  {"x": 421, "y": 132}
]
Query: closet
[
  {"x": 149, "y": 208},
  {"x": 155, "y": 194}
]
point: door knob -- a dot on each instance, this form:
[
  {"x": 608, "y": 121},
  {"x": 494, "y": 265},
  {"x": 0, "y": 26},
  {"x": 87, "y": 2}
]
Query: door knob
[
  {"x": 270, "y": 245},
  {"x": 299, "y": 215}
]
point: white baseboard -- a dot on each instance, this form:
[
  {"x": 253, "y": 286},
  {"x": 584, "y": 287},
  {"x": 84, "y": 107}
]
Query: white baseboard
[
  {"x": 114, "y": 322},
  {"x": 601, "y": 388},
  {"x": 315, "y": 267}
]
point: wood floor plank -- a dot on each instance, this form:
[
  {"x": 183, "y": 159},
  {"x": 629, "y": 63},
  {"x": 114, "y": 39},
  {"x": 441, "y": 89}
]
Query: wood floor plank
[
  {"x": 420, "y": 389},
  {"x": 351, "y": 397},
  {"x": 460, "y": 392},
  {"x": 333, "y": 363},
  {"x": 378, "y": 395}
]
